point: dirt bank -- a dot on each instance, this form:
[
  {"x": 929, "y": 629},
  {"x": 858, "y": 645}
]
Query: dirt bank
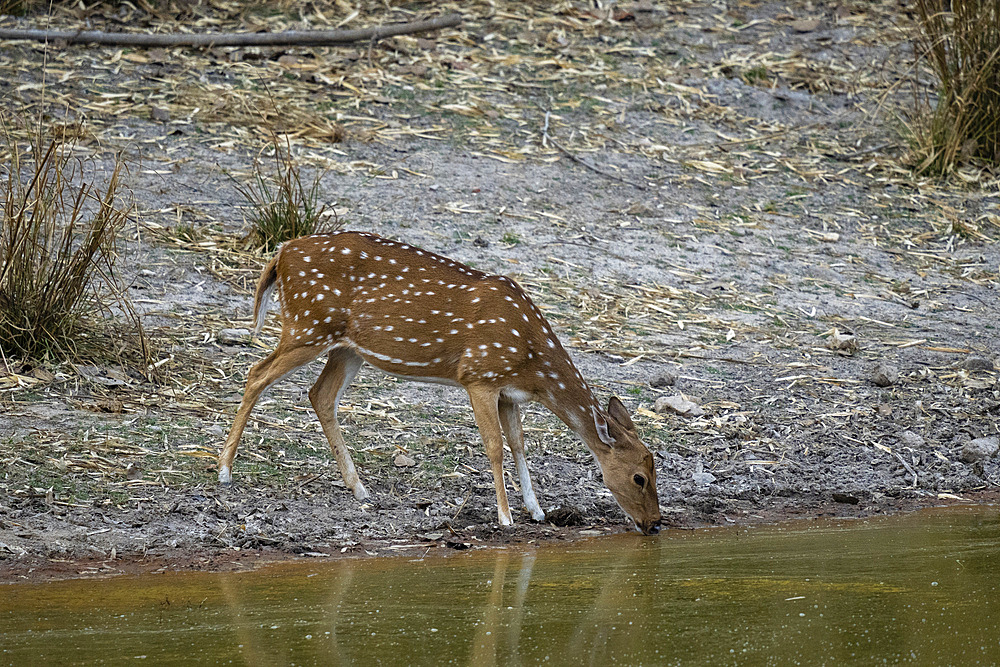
[{"x": 742, "y": 233}]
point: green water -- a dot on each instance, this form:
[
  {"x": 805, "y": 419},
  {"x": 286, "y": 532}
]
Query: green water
[{"x": 919, "y": 589}]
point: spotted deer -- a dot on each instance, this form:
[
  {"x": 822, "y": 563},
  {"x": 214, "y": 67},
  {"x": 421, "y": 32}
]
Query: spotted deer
[{"x": 420, "y": 316}]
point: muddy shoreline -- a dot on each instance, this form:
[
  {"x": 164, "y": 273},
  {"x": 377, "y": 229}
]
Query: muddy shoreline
[{"x": 38, "y": 569}]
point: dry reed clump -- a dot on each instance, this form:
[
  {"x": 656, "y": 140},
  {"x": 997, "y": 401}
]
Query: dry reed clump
[
  {"x": 281, "y": 206},
  {"x": 60, "y": 239},
  {"x": 960, "y": 41}
]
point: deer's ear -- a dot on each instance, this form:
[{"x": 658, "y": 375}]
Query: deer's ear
[
  {"x": 618, "y": 412},
  {"x": 601, "y": 424}
]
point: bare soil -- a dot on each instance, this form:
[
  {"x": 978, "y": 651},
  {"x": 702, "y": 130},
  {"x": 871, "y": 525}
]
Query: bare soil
[{"x": 736, "y": 225}]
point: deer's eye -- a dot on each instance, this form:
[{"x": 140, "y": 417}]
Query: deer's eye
[{"x": 640, "y": 480}]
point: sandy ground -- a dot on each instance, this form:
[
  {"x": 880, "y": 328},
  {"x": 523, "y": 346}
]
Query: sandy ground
[{"x": 745, "y": 236}]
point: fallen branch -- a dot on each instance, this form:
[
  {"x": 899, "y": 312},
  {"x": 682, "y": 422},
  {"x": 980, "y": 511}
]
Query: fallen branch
[{"x": 289, "y": 38}]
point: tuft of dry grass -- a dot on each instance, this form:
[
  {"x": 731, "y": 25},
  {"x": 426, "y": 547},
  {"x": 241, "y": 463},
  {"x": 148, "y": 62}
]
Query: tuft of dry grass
[
  {"x": 60, "y": 239},
  {"x": 281, "y": 206},
  {"x": 960, "y": 40}
]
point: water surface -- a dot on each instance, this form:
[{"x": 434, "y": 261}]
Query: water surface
[{"x": 920, "y": 589}]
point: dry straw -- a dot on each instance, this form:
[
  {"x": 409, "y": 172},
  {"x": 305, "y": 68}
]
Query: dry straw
[{"x": 960, "y": 41}]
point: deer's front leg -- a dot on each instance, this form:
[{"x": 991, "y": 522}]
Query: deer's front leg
[
  {"x": 510, "y": 420},
  {"x": 484, "y": 405}
]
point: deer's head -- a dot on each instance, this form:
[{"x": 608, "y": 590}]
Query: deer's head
[{"x": 627, "y": 466}]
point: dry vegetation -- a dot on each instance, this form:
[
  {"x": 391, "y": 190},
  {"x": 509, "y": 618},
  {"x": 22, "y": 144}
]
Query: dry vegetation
[
  {"x": 960, "y": 41},
  {"x": 709, "y": 193},
  {"x": 60, "y": 239}
]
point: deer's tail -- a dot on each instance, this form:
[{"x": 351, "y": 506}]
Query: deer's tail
[{"x": 265, "y": 289}]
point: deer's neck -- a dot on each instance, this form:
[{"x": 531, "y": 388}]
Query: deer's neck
[{"x": 574, "y": 406}]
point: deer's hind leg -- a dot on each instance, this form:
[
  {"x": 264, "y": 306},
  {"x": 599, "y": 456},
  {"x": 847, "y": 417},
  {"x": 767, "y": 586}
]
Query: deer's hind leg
[
  {"x": 484, "y": 406},
  {"x": 281, "y": 362},
  {"x": 341, "y": 367}
]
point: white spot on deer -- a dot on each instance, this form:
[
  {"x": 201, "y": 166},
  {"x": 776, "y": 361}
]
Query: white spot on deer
[
  {"x": 482, "y": 347},
  {"x": 328, "y": 319},
  {"x": 552, "y": 343},
  {"x": 498, "y": 345},
  {"x": 392, "y": 261},
  {"x": 512, "y": 349},
  {"x": 413, "y": 340},
  {"x": 307, "y": 259},
  {"x": 515, "y": 332},
  {"x": 453, "y": 332},
  {"x": 302, "y": 274},
  {"x": 389, "y": 328},
  {"x": 346, "y": 251},
  {"x": 398, "y": 339},
  {"x": 319, "y": 297}
]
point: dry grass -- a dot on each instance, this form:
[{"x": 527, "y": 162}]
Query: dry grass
[
  {"x": 60, "y": 239},
  {"x": 282, "y": 207},
  {"x": 962, "y": 46}
]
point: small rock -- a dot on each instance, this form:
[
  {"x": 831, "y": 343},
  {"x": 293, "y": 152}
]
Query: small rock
[
  {"x": 844, "y": 343},
  {"x": 233, "y": 336},
  {"x": 884, "y": 410},
  {"x": 702, "y": 478},
  {"x": 133, "y": 472},
  {"x": 885, "y": 374},
  {"x": 663, "y": 380},
  {"x": 159, "y": 114},
  {"x": 910, "y": 439},
  {"x": 980, "y": 448},
  {"x": 430, "y": 537},
  {"x": 403, "y": 461},
  {"x": 678, "y": 405},
  {"x": 976, "y": 363},
  {"x": 805, "y": 25},
  {"x": 846, "y": 498}
]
